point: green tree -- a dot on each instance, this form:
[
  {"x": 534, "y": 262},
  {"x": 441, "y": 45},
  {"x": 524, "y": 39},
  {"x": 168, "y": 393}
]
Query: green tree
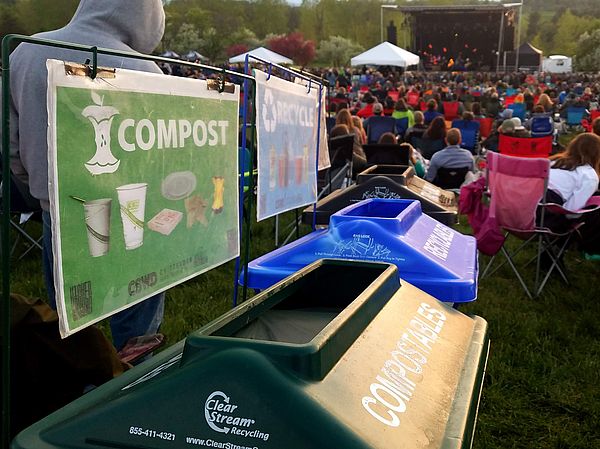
[
  {"x": 588, "y": 54},
  {"x": 567, "y": 29},
  {"x": 533, "y": 25},
  {"x": 211, "y": 44},
  {"x": 337, "y": 51},
  {"x": 244, "y": 36},
  {"x": 186, "y": 39}
]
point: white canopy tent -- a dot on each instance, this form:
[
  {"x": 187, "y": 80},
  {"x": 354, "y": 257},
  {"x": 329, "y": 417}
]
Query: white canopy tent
[
  {"x": 264, "y": 54},
  {"x": 386, "y": 54}
]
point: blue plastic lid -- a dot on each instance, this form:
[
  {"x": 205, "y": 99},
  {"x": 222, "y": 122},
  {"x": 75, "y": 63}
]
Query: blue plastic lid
[{"x": 435, "y": 258}]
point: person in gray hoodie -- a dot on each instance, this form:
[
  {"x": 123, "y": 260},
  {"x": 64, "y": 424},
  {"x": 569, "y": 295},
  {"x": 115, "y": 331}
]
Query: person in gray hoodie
[{"x": 132, "y": 25}]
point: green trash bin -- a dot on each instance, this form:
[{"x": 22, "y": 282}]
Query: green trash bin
[{"x": 338, "y": 355}]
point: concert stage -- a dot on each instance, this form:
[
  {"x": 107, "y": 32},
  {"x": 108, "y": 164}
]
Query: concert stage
[{"x": 472, "y": 37}]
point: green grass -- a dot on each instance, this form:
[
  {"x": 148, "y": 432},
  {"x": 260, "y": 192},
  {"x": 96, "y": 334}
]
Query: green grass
[{"x": 541, "y": 388}]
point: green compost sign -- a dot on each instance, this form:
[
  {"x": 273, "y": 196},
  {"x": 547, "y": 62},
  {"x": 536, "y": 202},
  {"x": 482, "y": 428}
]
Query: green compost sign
[{"x": 143, "y": 187}]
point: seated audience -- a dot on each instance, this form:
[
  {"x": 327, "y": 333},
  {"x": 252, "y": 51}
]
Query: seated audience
[
  {"x": 367, "y": 109},
  {"x": 358, "y": 125},
  {"x": 519, "y": 130},
  {"x": 433, "y": 138},
  {"x": 453, "y": 156},
  {"x": 596, "y": 126},
  {"x": 432, "y": 111},
  {"x": 343, "y": 117},
  {"x": 546, "y": 103},
  {"x": 359, "y": 160},
  {"x": 417, "y": 129},
  {"x": 572, "y": 181},
  {"x": 387, "y": 139},
  {"x": 401, "y": 110}
]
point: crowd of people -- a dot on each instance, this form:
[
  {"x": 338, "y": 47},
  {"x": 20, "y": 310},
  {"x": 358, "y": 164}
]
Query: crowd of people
[{"x": 441, "y": 108}]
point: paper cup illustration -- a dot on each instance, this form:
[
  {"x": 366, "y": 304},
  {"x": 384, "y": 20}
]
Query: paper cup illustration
[
  {"x": 97, "y": 222},
  {"x": 219, "y": 187},
  {"x": 132, "y": 202}
]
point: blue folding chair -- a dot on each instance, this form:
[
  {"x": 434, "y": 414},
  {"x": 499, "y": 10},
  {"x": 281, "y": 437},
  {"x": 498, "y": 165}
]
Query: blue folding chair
[
  {"x": 376, "y": 126},
  {"x": 330, "y": 123},
  {"x": 542, "y": 125},
  {"x": 575, "y": 116},
  {"x": 469, "y": 130},
  {"x": 469, "y": 139},
  {"x": 519, "y": 110},
  {"x": 401, "y": 126}
]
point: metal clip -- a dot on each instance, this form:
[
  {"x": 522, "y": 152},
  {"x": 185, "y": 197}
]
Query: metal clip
[
  {"x": 220, "y": 86},
  {"x": 75, "y": 69}
]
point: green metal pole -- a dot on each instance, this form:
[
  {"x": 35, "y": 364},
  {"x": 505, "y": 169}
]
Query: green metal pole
[{"x": 5, "y": 324}]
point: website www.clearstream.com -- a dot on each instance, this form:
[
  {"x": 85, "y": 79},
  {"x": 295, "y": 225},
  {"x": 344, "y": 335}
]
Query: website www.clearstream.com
[{"x": 216, "y": 444}]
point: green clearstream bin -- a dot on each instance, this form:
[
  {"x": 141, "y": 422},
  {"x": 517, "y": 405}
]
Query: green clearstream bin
[{"x": 338, "y": 355}]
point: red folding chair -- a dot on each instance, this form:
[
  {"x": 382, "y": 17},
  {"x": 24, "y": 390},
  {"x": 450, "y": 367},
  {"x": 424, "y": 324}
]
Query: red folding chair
[
  {"x": 412, "y": 98},
  {"x": 539, "y": 147},
  {"x": 450, "y": 110},
  {"x": 393, "y": 94},
  {"x": 485, "y": 126}
]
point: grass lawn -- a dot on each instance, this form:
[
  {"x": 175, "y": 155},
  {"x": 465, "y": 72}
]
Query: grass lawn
[{"x": 541, "y": 389}]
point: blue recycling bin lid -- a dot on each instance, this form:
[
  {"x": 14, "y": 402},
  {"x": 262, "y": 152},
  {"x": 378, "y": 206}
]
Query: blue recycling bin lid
[{"x": 430, "y": 255}]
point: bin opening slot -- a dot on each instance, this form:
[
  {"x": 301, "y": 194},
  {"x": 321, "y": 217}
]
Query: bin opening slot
[
  {"x": 307, "y": 306},
  {"x": 387, "y": 170},
  {"x": 376, "y": 209}
]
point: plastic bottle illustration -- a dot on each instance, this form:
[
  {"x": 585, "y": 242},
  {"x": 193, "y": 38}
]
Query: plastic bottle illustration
[
  {"x": 272, "y": 168},
  {"x": 101, "y": 118},
  {"x": 283, "y": 164},
  {"x": 305, "y": 164}
]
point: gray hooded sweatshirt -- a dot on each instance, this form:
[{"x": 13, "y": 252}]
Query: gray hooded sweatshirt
[{"x": 128, "y": 25}]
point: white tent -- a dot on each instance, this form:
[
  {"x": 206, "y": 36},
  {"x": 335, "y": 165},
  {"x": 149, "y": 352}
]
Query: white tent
[
  {"x": 263, "y": 53},
  {"x": 386, "y": 54},
  {"x": 557, "y": 64}
]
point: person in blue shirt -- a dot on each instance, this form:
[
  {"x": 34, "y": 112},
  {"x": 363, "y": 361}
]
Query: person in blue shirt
[{"x": 453, "y": 156}]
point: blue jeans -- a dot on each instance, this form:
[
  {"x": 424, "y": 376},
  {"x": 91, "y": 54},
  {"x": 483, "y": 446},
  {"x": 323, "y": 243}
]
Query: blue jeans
[{"x": 142, "y": 319}]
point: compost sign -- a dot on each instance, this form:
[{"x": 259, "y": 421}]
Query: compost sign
[
  {"x": 143, "y": 173},
  {"x": 287, "y": 123}
]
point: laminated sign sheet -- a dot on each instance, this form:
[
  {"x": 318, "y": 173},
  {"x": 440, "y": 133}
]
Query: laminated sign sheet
[
  {"x": 287, "y": 124},
  {"x": 143, "y": 173}
]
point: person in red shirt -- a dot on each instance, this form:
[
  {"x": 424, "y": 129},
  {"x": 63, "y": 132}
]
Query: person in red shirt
[{"x": 367, "y": 110}]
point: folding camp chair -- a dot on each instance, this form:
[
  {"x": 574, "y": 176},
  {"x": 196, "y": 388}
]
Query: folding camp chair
[
  {"x": 485, "y": 126},
  {"x": 401, "y": 126},
  {"x": 469, "y": 130},
  {"x": 575, "y": 116},
  {"x": 330, "y": 123},
  {"x": 376, "y": 126},
  {"x": 387, "y": 154},
  {"x": 450, "y": 178},
  {"x": 542, "y": 125},
  {"x": 538, "y": 147},
  {"x": 340, "y": 171},
  {"x": 587, "y": 124},
  {"x": 23, "y": 210},
  {"x": 428, "y": 147},
  {"x": 516, "y": 187},
  {"x": 450, "y": 110},
  {"x": 518, "y": 110}
]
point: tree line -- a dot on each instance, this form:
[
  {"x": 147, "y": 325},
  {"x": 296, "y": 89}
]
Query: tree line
[{"x": 335, "y": 29}]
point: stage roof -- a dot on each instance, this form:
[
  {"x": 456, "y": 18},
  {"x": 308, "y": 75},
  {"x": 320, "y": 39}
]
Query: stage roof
[{"x": 457, "y": 8}]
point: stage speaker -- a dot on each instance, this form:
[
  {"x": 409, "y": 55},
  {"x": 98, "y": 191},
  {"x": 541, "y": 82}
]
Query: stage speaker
[{"x": 392, "y": 33}]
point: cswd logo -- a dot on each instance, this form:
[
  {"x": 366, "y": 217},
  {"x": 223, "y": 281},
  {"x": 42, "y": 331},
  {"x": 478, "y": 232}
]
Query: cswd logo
[
  {"x": 218, "y": 411},
  {"x": 101, "y": 118}
]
